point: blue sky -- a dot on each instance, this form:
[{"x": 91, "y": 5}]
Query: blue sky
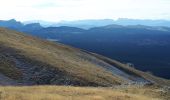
[{"x": 57, "y": 10}]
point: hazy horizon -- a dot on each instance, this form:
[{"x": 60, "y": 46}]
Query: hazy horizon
[
  {"x": 68, "y": 10},
  {"x": 37, "y": 20},
  {"x": 61, "y": 21}
]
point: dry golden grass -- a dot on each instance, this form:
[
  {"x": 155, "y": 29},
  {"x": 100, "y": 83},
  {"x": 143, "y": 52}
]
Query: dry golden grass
[{"x": 77, "y": 93}]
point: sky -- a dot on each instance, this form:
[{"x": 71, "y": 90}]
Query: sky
[{"x": 58, "y": 10}]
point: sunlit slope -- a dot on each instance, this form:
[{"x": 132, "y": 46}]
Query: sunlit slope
[{"x": 69, "y": 65}]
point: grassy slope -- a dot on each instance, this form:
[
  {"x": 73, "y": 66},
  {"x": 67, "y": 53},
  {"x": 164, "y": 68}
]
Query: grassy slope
[
  {"x": 64, "y": 58},
  {"x": 61, "y": 57},
  {"x": 77, "y": 93}
]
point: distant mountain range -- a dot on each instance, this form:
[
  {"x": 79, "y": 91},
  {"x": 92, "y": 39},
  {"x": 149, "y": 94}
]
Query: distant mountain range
[
  {"x": 86, "y": 24},
  {"x": 146, "y": 47}
]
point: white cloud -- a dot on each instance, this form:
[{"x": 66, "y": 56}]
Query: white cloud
[{"x": 56, "y": 10}]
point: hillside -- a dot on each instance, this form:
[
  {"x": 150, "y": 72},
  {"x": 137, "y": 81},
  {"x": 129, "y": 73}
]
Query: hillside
[{"x": 26, "y": 60}]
